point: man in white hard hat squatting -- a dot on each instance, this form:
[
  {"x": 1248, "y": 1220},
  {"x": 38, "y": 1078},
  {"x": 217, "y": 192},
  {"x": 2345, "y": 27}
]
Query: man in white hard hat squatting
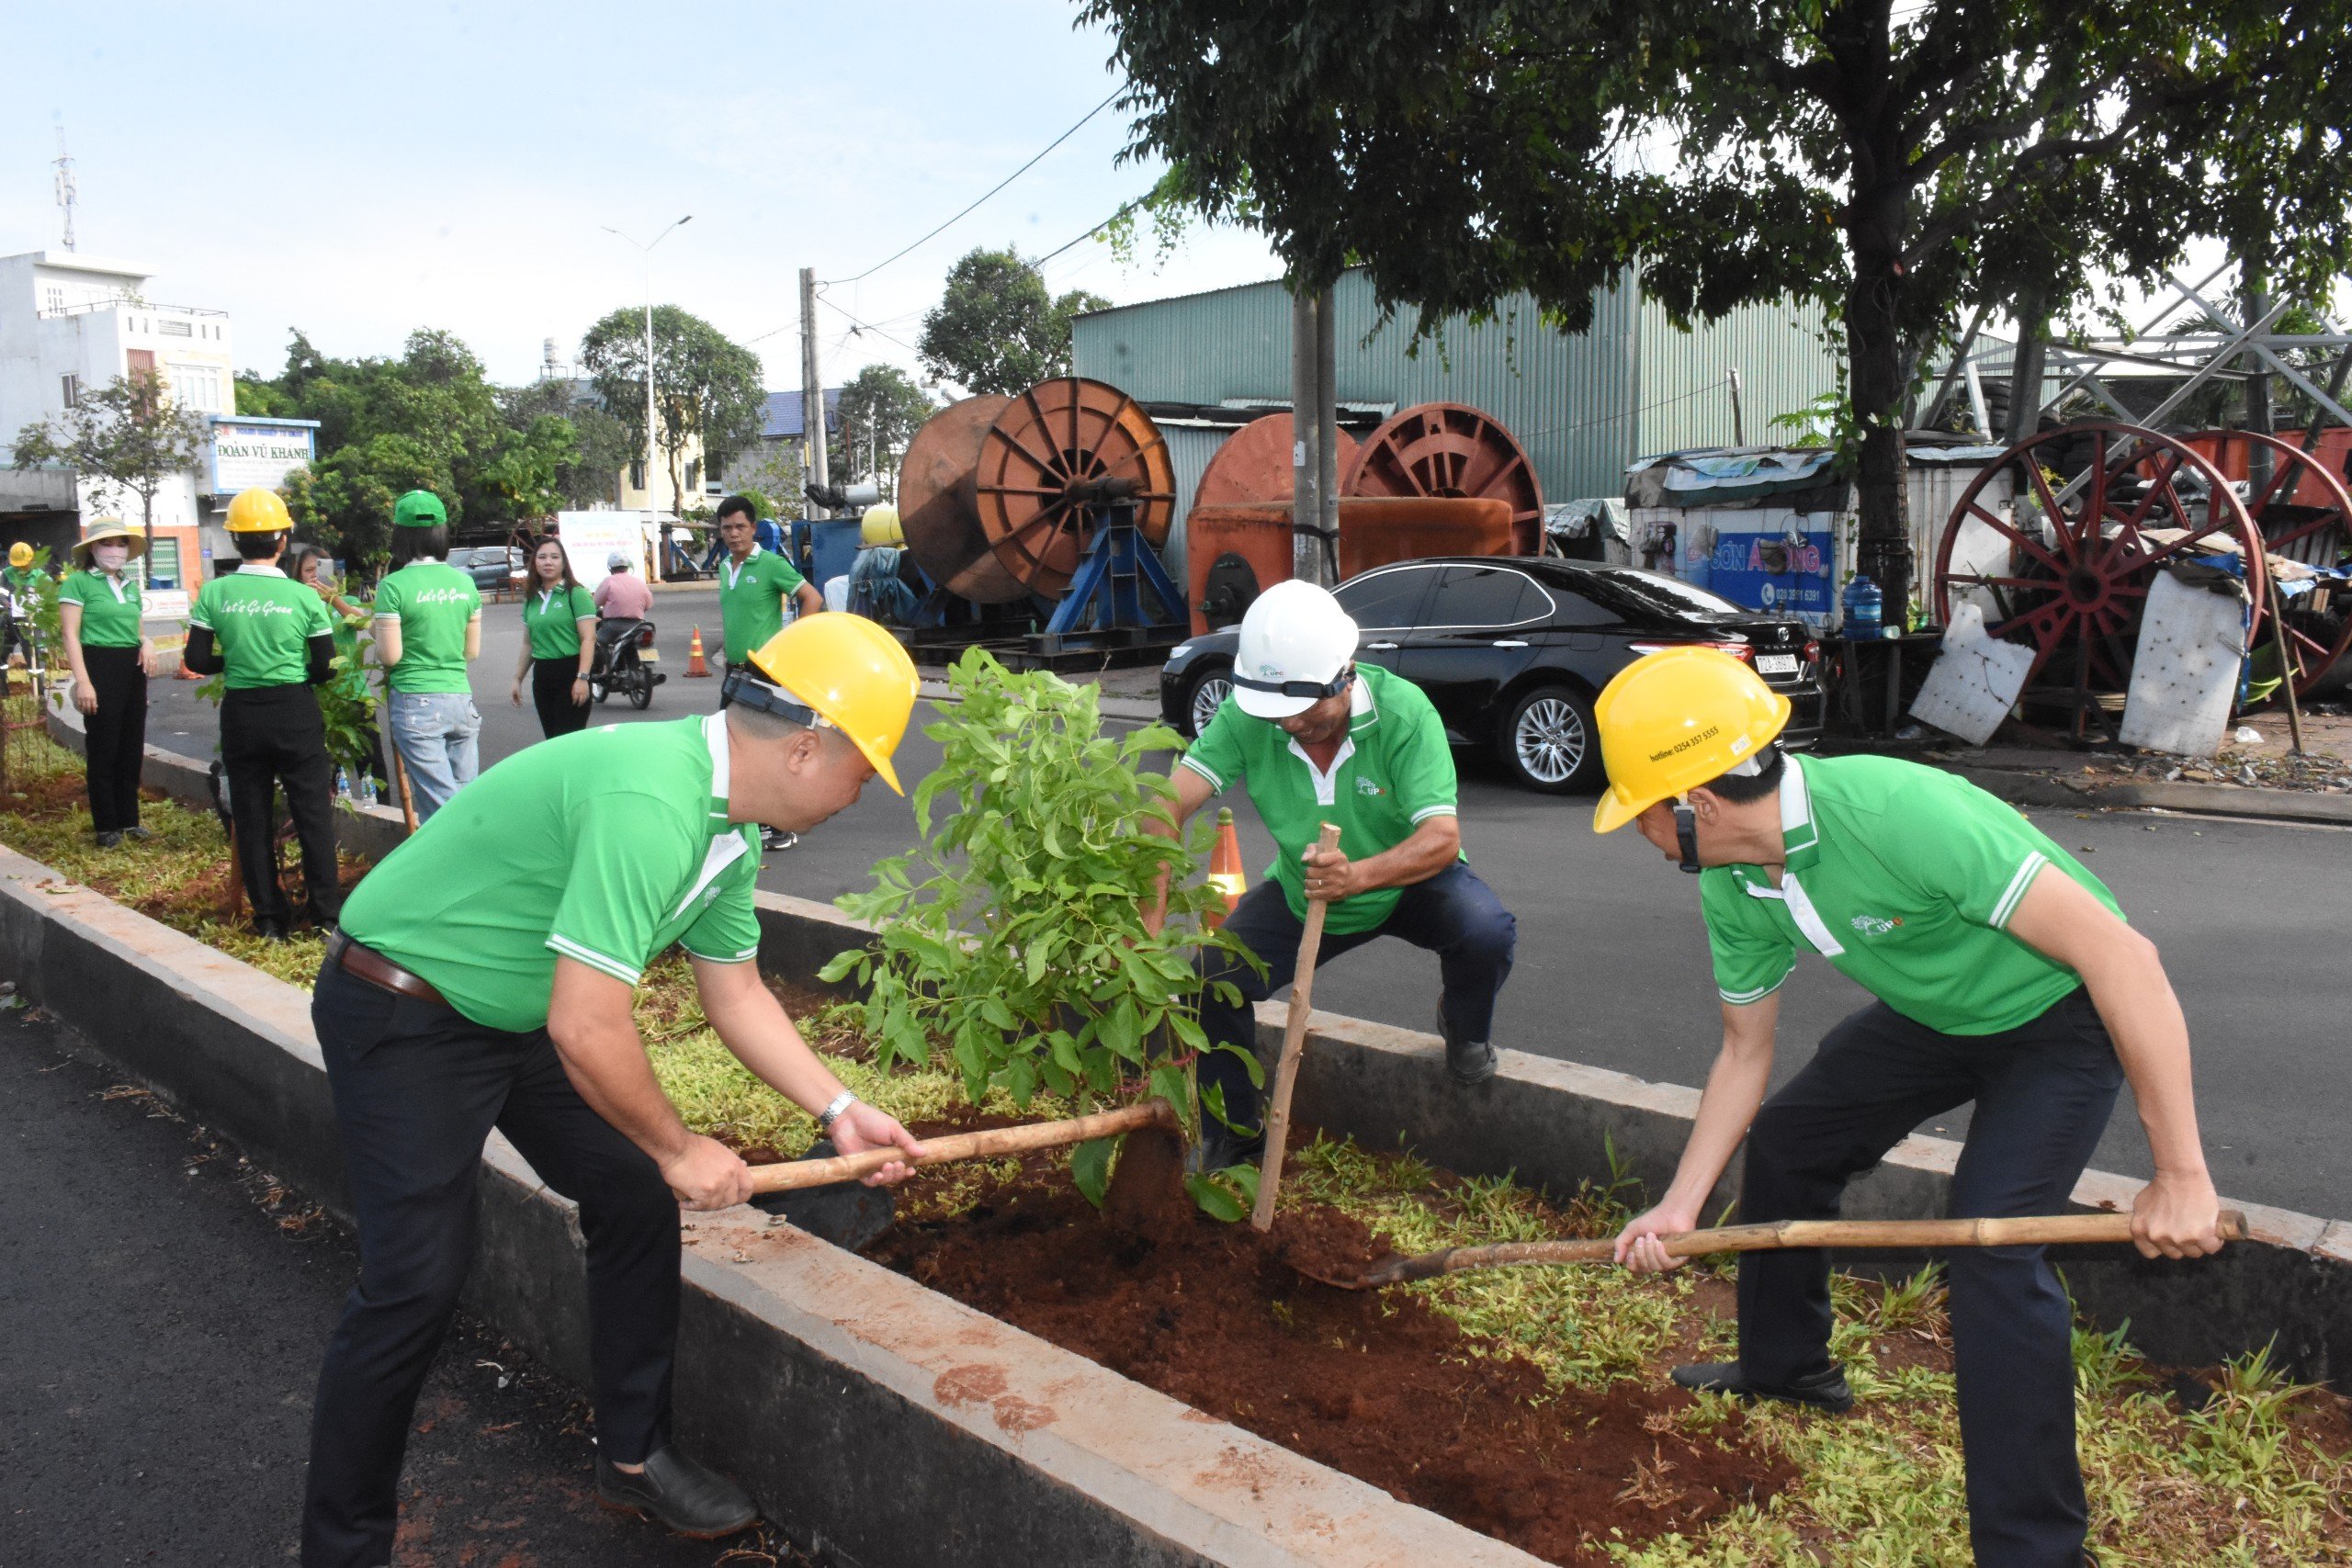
[
  {"x": 2005, "y": 980},
  {"x": 1316, "y": 738}
]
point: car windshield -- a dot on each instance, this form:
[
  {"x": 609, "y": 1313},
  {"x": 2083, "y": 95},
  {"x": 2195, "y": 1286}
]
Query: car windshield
[{"x": 1624, "y": 589}]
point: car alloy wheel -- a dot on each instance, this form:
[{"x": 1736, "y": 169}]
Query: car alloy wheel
[
  {"x": 1551, "y": 740},
  {"x": 1208, "y": 695}
]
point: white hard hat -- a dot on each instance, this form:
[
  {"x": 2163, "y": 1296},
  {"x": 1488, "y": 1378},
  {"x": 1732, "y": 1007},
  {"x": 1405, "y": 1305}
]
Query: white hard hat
[{"x": 1296, "y": 644}]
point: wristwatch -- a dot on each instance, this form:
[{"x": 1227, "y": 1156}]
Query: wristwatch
[{"x": 832, "y": 1112}]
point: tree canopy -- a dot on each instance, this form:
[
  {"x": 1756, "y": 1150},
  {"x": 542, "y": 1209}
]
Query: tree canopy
[
  {"x": 124, "y": 440},
  {"x": 429, "y": 420},
  {"x": 1899, "y": 164},
  {"x": 882, "y": 407},
  {"x": 997, "y": 327},
  {"x": 707, "y": 388}
]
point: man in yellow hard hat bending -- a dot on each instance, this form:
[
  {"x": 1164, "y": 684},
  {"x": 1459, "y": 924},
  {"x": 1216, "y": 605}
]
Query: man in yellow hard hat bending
[
  {"x": 482, "y": 977},
  {"x": 2006, "y": 979}
]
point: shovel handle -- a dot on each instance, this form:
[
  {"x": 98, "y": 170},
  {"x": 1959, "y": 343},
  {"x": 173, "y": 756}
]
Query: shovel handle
[
  {"x": 2033, "y": 1230},
  {"x": 1302, "y": 1004},
  {"x": 793, "y": 1175}
]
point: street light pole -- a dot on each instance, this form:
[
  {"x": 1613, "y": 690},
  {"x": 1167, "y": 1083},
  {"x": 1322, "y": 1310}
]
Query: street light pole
[{"x": 650, "y": 440}]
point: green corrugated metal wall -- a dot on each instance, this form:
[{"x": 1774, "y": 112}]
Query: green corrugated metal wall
[
  {"x": 1686, "y": 392},
  {"x": 1577, "y": 404}
]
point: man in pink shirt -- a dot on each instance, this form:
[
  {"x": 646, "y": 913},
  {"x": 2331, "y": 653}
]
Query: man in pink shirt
[{"x": 623, "y": 596}]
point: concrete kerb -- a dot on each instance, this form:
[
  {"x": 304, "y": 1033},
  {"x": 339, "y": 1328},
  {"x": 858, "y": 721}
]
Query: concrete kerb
[
  {"x": 1558, "y": 1124},
  {"x": 876, "y": 1421}
]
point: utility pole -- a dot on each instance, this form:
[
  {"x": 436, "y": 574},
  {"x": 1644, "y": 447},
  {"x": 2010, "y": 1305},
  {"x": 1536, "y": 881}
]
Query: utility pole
[
  {"x": 2257, "y": 386},
  {"x": 651, "y": 437},
  {"x": 1315, "y": 454},
  {"x": 812, "y": 394},
  {"x": 1738, "y": 425}
]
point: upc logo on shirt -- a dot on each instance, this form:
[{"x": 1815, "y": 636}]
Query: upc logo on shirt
[
  {"x": 1365, "y": 786},
  {"x": 1871, "y": 925}
]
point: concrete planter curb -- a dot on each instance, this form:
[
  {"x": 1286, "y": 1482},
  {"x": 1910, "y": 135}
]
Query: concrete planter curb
[
  {"x": 2205, "y": 799},
  {"x": 878, "y": 1422}
]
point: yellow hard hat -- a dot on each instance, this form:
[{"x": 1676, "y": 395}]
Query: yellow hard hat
[
  {"x": 21, "y": 555},
  {"x": 1675, "y": 719},
  {"x": 852, "y": 674},
  {"x": 881, "y": 525},
  {"x": 258, "y": 511}
]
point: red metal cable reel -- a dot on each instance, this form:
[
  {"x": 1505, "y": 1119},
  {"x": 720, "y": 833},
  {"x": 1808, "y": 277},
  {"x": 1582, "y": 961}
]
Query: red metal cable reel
[
  {"x": 1450, "y": 449},
  {"x": 2149, "y": 499},
  {"x": 2305, "y": 514},
  {"x": 999, "y": 497}
]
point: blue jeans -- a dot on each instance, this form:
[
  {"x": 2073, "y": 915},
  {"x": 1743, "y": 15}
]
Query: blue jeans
[
  {"x": 1454, "y": 914},
  {"x": 437, "y": 735}
]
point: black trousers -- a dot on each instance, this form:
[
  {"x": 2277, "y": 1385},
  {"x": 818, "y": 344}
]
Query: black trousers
[
  {"x": 270, "y": 734},
  {"x": 1454, "y": 914},
  {"x": 2041, "y": 1096},
  {"x": 552, "y": 695},
  {"x": 417, "y": 1088},
  {"x": 114, "y": 736}
]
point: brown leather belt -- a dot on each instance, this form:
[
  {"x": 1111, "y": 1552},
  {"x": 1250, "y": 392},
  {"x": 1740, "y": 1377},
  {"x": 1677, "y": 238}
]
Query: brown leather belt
[{"x": 367, "y": 963}]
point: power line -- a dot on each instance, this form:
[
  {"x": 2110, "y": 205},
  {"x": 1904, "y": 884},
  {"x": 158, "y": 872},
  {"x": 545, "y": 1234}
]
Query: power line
[
  {"x": 1007, "y": 179},
  {"x": 868, "y": 326},
  {"x": 1124, "y": 208}
]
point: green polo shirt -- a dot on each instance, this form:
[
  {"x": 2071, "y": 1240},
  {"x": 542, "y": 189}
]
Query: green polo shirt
[
  {"x": 433, "y": 601},
  {"x": 1393, "y": 772},
  {"x": 262, "y": 622},
  {"x": 1903, "y": 877},
  {"x": 553, "y": 617},
  {"x": 751, "y": 601},
  {"x": 109, "y": 606},
  {"x": 20, "y": 580},
  {"x": 606, "y": 846}
]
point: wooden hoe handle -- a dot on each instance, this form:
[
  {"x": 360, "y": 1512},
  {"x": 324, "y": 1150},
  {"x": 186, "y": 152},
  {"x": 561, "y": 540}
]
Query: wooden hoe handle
[
  {"x": 2035, "y": 1230},
  {"x": 794, "y": 1174},
  {"x": 1301, "y": 993}
]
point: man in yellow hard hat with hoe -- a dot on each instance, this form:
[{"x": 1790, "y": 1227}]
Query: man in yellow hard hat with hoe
[
  {"x": 2006, "y": 980},
  {"x": 482, "y": 977},
  {"x": 270, "y": 638}
]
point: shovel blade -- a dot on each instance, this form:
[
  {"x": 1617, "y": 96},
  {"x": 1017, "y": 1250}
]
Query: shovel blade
[{"x": 846, "y": 1214}]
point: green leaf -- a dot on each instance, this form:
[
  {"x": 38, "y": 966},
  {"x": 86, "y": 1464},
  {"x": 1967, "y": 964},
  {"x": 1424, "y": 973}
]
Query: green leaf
[
  {"x": 1089, "y": 1167},
  {"x": 839, "y": 967},
  {"x": 1215, "y": 1198}
]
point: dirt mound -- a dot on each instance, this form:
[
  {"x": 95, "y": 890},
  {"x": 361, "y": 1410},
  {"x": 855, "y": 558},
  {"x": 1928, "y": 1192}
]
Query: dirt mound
[
  {"x": 1147, "y": 1198},
  {"x": 1377, "y": 1386}
]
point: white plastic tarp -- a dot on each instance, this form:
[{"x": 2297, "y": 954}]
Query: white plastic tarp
[
  {"x": 2184, "y": 674},
  {"x": 1976, "y": 679}
]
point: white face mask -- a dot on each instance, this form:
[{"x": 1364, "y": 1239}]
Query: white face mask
[{"x": 112, "y": 555}]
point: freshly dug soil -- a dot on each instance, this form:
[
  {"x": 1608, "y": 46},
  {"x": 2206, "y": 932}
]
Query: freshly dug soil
[
  {"x": 1377, "y": 1386},
  {"x": 1147, "y": 1198}
]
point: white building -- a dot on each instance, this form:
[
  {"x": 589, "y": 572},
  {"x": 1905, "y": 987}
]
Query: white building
[{"x": 72, "y": 322}]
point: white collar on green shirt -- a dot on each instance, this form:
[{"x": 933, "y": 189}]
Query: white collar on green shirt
[
  {"x": 734, "y": 569},
  {"x": 258, "y": 569},
  {"x": 1361, "y": 711},
  {"x": 727, "y": 848},
  {"x": 1802, "y": 836}
]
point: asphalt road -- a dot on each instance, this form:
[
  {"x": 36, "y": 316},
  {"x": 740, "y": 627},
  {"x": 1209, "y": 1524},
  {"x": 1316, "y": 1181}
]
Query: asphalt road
[
  {"x": 1612, "y": 964},
  {"x": 163, "y": 1309}
]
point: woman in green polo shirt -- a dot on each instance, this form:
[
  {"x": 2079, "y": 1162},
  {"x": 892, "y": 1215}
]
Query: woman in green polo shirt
[
  {"x": 428, "y": 627},
  {"x": 98, "y": 611},
  {"x": 558, "y": 642}
]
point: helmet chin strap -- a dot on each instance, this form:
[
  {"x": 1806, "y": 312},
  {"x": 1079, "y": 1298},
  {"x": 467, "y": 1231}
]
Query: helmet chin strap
[{"x": 1686, "y": 833}]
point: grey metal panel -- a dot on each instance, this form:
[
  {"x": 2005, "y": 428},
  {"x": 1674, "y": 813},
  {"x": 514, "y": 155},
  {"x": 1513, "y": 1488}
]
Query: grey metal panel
[
  {"x": 1563, "y": 397},
  {"x": 1778, "y": 350},
  {"x": 1190, "y": 447}
]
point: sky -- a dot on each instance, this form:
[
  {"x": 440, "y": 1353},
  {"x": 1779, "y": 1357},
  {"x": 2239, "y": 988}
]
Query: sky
[{"x": 357, "y": 173}]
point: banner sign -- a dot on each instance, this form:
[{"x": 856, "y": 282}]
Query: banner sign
[{"x": 244, "y": 453}]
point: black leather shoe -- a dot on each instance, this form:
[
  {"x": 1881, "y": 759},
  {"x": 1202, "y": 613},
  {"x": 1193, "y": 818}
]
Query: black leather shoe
[
  {"x": 1824, "y": 1391},
  {"x": 1470, "y": 1061},
  {"x": 270, "y": 930},
  {"x": 1220, "y": 1146},
  {"x": 686, "y": 1495}
]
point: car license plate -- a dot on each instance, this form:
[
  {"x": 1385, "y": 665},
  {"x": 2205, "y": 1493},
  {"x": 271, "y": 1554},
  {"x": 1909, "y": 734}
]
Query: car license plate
[{"x": 1776, "y": 664}]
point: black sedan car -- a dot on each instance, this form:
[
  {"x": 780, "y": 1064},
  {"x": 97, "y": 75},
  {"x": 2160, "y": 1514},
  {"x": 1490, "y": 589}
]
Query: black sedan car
[{"x": 1513, "y": 649}]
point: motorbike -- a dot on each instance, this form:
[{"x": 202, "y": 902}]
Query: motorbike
[{"x": 623, "y": 663}]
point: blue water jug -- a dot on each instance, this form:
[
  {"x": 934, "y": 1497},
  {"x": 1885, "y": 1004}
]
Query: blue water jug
[{"x": 1864, "y": 607}]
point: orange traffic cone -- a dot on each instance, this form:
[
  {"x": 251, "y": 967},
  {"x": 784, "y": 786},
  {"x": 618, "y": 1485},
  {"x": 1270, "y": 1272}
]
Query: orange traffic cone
[
  {"x": 1225, "y": 865},
  {"x": 695, "y": 665}
]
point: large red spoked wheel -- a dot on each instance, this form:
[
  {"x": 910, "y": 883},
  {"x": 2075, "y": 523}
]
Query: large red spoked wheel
[
  {"x": 1048, "y": 469},
  {"x": 2070, "y": 577},
  {"x": 2305, "y": 514},
  {"x": 1450, "y": 449}
]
